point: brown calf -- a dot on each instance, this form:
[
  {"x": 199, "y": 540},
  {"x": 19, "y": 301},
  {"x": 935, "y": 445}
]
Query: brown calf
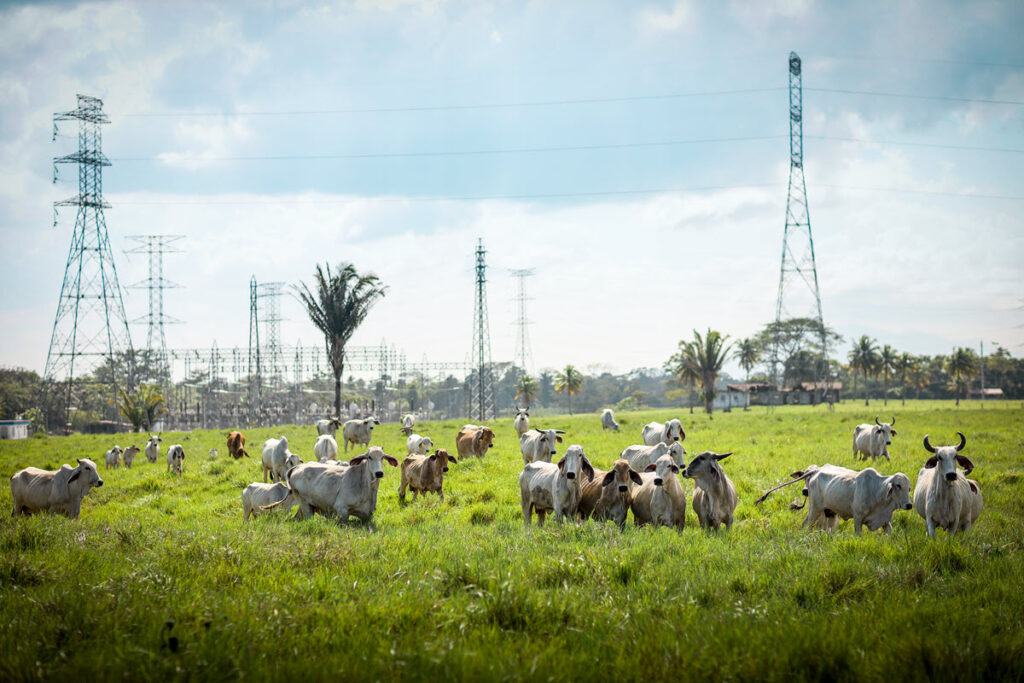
[
  {"x": 425, "y": 473},
  {"x": 608, "y": 495},
  {"x": 236, "y": 445},
  {"x": 473, "y": 440}
]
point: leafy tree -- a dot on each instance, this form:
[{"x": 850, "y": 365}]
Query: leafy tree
[
  {"x": 962, "y": 367},
  {"x": 526, "y": 390},
  {"x": 798, "y": 334},
  {"x": 902, "y": 366},
  {"x": 699, "y": 361},
  {"x": 141, "y": 406},
  {"x": 887, "y": 365},
  {"x": 569, "y": 382},
  {"x": 864, "y": 358},
  {"x": 747, "y": 353},
  {"x": 338, "y": 306}
]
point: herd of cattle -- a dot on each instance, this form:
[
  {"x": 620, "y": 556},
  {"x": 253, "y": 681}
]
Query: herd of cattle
[{"x": 644, "y": 480}]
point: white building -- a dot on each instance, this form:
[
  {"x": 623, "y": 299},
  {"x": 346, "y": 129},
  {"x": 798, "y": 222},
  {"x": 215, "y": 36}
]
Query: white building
[{"x": 14, "y": 429}]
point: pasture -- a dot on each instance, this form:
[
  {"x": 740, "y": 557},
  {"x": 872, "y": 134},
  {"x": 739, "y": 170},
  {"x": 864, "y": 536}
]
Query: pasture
[{"x": 160, "y": 579}]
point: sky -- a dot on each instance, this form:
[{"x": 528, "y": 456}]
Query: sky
[{"x": 635, "y": 155}]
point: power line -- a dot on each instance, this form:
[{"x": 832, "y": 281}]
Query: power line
[{"x": 941, "y": 98}]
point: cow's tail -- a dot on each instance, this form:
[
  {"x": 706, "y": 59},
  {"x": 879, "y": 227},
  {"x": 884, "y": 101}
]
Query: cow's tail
[
  {"x": 286, "y": 502},
  {"x": 799, "y": 475}
]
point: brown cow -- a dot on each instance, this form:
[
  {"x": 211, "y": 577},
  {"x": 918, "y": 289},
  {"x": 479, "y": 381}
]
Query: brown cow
[
  {"x": 425, "y": 474},
  {"x": 607, "y": 495},
  {"x": 236, "y": 445},
  {"x": 473, "y": 440}
]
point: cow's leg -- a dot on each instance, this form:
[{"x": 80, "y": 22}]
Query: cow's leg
[
  {"x": 401, "y": 490},
  {"x": 527, "y": 509},
  {"x": 415, "y": 494},
  {"x": 857, "y": 521},
  {"x": 440, "y": 495},
  {"x": 931, "y": 526},
  {"x": 887, "y": 527},
  {"x": 541, "y": 514}
]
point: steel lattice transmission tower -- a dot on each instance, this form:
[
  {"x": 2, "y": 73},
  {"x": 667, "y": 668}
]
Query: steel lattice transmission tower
[
  {"x": 90, "y": 327},
  {"x": 523, "y": 353},
  {"x": 155, "y": 246},
  {"x": 482, "y": 391},
  {"x": 798, "y": 275},
  {"x": 255, "y": 367},
  {"x": 273, "y": 360}
]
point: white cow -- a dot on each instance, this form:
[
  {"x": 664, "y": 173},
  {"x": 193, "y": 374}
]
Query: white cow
[
  {"x": 418, "y": 445},
  {"x": 944, "y": 496},
  {"x": 128, "y": 457},
  {"x": 544, "y": 486},
  {"x": 277, "y": 459},
  {"x": 359, "y": 432},
  {"x": 654, "y": 432},
  {"x": 714, "y": 496},
  {"x": 660, "y": 500},
  {"x": 639, "y": 457},
  {"x": 408, "y": 423},
  {"x": 258, "y": 494},
  {"x": 539, "y": 445},
  {"x": 153, "y": 448},
  {"x": 872, "y": 441},
  {"x": 34, "y": 490},
  {"x": 329, "y": 426},
  {"x": 521, "y": 423},
  {"x": 835, "y": 493},
  {"x": 113, "y": 457},
  {"x": 335, "y": 490},
  {"x": 176, "y": 459},
  {"x": 325, "y": 448},
  {"x": 608, "y": 420}
]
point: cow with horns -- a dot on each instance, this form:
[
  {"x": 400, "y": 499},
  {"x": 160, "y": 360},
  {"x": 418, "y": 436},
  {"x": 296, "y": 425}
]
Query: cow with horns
[{"x": 872, "y": 441}]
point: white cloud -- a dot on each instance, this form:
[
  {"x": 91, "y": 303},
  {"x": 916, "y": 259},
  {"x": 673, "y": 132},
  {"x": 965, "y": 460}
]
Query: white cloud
[{"x": 680, "y": 15}]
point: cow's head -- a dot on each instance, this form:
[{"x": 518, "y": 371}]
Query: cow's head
[
  {"x": 483, "y": 440},
  {"x": 706, "y": 464},
  {"x": 674, "y": 431},
  {"x": 549, "y": 440},
  {"x": 442, "y": 456},
  {"x": 946, "y": 458},
  {"x": 575, "y": 461},
  {"x": 154, "y": 440},
  {"x": 372, "y": 421},
  {"x": 522, "y": 412},
  {"x": 621, "y": 474},
  {"x": 374, "y": 460},
  {"x": 86, "y": 471},
  {"x": 886, "y": 429},
  {"x": 663, "y": 468},
  {"x": 292, "y": 460},
  {"x": 897, "y": 490},
  {"x": 116, "y": 449},
  {"x": 678, "y": 453},
  {"x": 425, "y": 444}
]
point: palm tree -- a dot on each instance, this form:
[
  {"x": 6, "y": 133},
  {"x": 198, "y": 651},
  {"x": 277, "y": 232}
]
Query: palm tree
[
  {"x": 748, "y": 352},
  {"x": 962, "y": 367},
  {"x": 699, "y": 361},
  {"x": 569, "y": 382},
  {"x": 887, "y": 360},
  {"x": 902, "y": 365},
  {"x": 526, "y": 390},
  {"x": 141, "y": 405},
  {"x": 918, "y": 372},
  {"x": 338, "y": 306},
  {"x": 864, "y": 357}
]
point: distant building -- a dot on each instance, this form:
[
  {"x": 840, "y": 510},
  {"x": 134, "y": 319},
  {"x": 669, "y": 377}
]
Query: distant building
[
  {"x": 995, "y": 392},
  {"x": 806, "y": 393},
  {"x": 760, "y": 392},
  {"x": 14, "y": 429},
  {"x": 731, "y": 398}
]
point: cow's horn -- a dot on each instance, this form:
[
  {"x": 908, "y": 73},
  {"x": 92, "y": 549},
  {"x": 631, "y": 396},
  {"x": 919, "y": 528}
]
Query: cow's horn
[
  {"x": 893, "y": 421},
  {"x": 963, "y": 441},
  {"x": 927, "y": 446},
  {"x": 876, "y": 420}
]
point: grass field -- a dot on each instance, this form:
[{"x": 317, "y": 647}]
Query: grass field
[{"x": 159, "y": 578}]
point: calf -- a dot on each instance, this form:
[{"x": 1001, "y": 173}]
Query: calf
[
  {"x": 655, "y": 432},
  {"x": 325, "y": 448},
  {"x": 418, "y": 445},
  {"x": 335, "y": 490},
  {"x": 358, "y": 432},
  {"x": 872, "y": 441},
  {"x": 660, "y": 499},
  {"x": 944, "y": 496},
  {"x": 539, "y": 445},
  {"x": 607, "y": 495},
  {"x": 608, "y": 420},
  {"x": 545, "y": 487},
  {"x": 329, "y": 426},
  {"x": 425, "y": 473},
  {"x": 835, "y": 493},
  {"x": 640, "y": 457},
  {"x": 236, "y": 445},
  {"x": 408, "y": 423},
  {"x": 277, "y": 459},
  {"x": 113, "y": 458},
  {"x": 521, "y": 423},
  {"x": 176, "y": 459},
  {"x": 257, "y": 495},
  {"x": 714, "y": 495},
  {"x": 34, "y": 490},
  {"x": 129, "y": 455},
  {"x": 473, "y": 440},
  {"x": 153, "y": 448}
]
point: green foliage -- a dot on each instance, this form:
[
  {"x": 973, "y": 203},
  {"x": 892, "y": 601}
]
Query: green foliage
[
  {"x": 569, "y": 382},
  {"x": 699, "y": 361},
  {"x": 141, "y": 405},
  {"x": 526, "y": 390},
  {"x": 463, "y": 590}
]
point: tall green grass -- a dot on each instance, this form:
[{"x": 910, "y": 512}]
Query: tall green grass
[{"x": 159, "y": 578}]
